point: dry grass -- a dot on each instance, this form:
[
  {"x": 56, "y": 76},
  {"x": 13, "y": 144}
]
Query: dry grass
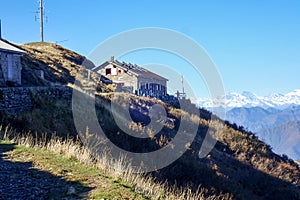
[
  {"x": 119, "y": 169},
  {"x": 60, "y": 66}
]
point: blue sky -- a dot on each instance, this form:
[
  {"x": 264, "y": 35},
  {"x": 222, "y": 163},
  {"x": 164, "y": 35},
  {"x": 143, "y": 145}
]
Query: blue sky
[{"x": 254, "y": 44}]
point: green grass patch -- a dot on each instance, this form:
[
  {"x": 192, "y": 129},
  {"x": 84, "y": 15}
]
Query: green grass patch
[{"x": 71, "y": 170}]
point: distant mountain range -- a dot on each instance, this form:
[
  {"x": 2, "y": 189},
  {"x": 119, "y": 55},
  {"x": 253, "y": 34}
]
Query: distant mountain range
[
  {"x": 248, "y": 100},
  {"x": 275, "y": 119},
  {"x": 279, "y": 128}
]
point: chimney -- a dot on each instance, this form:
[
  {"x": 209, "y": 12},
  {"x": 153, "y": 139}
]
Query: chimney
[{"x": 112, "y": 59}]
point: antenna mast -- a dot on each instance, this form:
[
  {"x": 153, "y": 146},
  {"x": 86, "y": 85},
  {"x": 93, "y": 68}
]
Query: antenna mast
[
  {"x": 41, "y": 21},
  {"x": 182, "y": 84},
  {"x": 181, "y": 95}
]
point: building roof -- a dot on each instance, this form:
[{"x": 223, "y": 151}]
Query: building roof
[
  {"x": 7, "y": 47},
  {"x": 131, "y": 68}
]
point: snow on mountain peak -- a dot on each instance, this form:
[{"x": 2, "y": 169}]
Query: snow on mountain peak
[
  {"x": 294, "y": 93},
  {"x": 249, "y": 99},
  {"x": 275, "y": 95}
]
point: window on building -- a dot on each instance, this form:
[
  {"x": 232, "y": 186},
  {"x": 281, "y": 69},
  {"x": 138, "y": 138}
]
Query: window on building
[
  {"x": 142, "y": 86},
  {"x": 108, "y": 71},
  {"x": 152, "y": 86},
  {"x": 114, "y": 71}
]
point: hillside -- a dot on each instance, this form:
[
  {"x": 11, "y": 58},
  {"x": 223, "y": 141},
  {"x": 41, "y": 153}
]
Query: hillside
[
  {"x": 279, "y": 128},
  {"x": 239, "y": 167},
  {"x": 60, "y": 66},
  {"x": 285, "y": 138}
]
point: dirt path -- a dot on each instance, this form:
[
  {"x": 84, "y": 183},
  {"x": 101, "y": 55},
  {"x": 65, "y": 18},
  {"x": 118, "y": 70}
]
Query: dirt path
[{"x": 27, "y": 173}]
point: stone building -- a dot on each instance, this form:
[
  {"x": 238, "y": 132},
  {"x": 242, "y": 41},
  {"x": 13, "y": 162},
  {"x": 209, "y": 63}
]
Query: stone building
[
  {"x": 10, "y": 63},
  {"x": 133, "y": 78}
]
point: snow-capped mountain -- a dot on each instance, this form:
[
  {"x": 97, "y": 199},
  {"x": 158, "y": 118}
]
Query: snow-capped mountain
[
  {"x": 274, "y": 118},
  {"x": 248, "y": 100}
]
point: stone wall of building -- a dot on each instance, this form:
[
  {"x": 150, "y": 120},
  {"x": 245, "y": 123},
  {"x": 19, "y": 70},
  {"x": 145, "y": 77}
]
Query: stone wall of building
[
  {"x": 152, "y": 87},
  {"x": 14, "y": 100},
  {"x": 2, "y": 80},
  {"x": 140, "y": 85},
  {"x": 15, "y": 64}
]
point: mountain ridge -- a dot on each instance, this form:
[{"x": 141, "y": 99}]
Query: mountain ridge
[
  {"x": 249, "y": 99},
  {"x": 273, "y": 118}
]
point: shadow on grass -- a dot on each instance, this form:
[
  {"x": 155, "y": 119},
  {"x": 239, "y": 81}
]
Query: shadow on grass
[
  {"x": 20, "y": 180},
  {"x": 222, "y": 173},
  {"x": 238, "y": 178}
]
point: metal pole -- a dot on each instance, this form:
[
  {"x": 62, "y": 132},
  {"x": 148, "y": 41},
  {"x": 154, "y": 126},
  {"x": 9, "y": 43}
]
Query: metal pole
[
  {"x": 0, "y": 30},
  {"x": 41, "y": 21},
  {"x": 182, "y": 84}
]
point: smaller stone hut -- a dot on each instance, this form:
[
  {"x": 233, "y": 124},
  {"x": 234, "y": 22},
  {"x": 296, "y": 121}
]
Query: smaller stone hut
[{"x": 10, "y": 63}]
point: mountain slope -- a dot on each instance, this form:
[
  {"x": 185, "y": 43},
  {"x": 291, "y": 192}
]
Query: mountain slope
[
  {"x": 279, "y": 128},
  {"x": 240, "y": 166},
  {"x": 285, "y": 138},
  {"x": 250, "y": 118},
  {"x": 60, "y": 66}
]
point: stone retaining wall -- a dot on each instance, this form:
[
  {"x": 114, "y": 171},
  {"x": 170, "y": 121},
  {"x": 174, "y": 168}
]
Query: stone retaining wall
[{"x": 14, "y": 100}]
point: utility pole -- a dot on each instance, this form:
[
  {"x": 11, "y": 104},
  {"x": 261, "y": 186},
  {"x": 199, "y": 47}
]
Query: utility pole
[
  {"x": 41, "y": 20},
  {"x": 41, "y": 17},
  {"x": 0, "y": 30}
]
